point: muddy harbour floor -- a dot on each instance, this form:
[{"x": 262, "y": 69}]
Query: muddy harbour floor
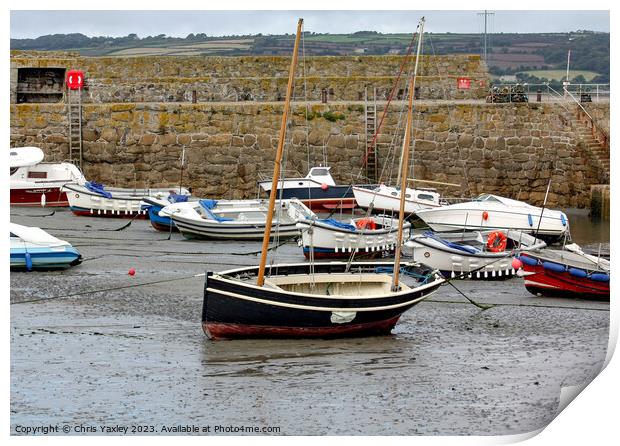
[{"x": 92, "y": 346}]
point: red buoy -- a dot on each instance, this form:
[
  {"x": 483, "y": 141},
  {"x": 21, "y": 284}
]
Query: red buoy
[
  {"x": 485, "y": 215},
  {"x": 516, "y": 263},
  {"x": 324, "y": 186},
  {"x": 131, "y": 272}
]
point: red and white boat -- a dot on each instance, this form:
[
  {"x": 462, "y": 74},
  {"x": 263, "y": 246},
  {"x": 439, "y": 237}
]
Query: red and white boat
[
  {"x": 569, "y": 272},
  {"x": 36, "y": 183}
]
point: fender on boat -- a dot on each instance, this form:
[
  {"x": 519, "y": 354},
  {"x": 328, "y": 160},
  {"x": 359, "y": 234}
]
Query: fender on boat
[
  {"x": 528, "y": 260},
  {"x": 556, "y": 267},
  {"x": 577, "y": 272},
  {"x": 600, "y": 277}
]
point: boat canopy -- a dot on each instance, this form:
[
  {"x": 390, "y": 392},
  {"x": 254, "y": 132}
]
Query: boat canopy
[{"x": 34, "y": 235}]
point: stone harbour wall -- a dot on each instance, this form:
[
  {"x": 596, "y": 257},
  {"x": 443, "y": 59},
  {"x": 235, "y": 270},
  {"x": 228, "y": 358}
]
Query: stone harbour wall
[
  {"x": 256, "y": 78},
  {"x": 509, "y": 149}
]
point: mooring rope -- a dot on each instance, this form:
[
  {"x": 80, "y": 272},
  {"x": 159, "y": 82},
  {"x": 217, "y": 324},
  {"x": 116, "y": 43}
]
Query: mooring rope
[{"x": 120, "y": 287}]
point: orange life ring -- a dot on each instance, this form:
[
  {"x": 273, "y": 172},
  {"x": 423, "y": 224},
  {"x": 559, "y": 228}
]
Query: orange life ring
[
  {"x": 366, "y": 223},
  {"x": 497, "y": 241}
]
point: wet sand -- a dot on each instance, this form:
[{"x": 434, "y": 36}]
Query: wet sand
[{"x": 89, "y": 347}]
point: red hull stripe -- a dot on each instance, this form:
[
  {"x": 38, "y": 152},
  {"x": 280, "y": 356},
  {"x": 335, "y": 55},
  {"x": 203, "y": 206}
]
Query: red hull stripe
[
  {"x": 331, "y": 203},
  {"x": 32, "y": 197},
  {"x": 215, "y": 330}
]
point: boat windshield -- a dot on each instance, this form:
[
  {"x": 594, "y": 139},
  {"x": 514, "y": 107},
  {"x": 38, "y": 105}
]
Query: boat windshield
[
  {"x": 319, "y": 172},
  {"x": 487, "y": 197}
]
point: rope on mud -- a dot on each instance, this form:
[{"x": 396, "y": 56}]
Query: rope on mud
[
  {"x": 483, "y": 307},
  {"x": 555, "y": 307},
  {"x": 23, "y": 215},
  {"x": 463, "y": 275},
  {"x": 121, "y": 287}
]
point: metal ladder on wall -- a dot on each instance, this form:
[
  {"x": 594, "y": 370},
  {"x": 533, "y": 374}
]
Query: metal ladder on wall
[
  {"x": 370, "y": 114},
  {"x": 74, "y": 101}
]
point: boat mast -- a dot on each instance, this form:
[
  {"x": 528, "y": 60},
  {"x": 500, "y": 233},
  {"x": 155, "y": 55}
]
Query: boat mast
[
  {"x": 278, "y": 161},
  {"x": 405, "y": 160}
]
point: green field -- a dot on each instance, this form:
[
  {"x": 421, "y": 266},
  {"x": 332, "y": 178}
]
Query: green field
[{"x": 559, "y": 75}]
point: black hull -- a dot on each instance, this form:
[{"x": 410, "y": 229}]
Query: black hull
[
  {"x": 235, "y": 309},
  {"x": 316, "y": 198}
]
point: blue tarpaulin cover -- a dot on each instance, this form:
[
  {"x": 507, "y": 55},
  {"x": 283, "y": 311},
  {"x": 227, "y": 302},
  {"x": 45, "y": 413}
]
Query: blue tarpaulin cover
[
  {"x": 466, "y": 248},
  {"x": 208, "y": 206},
  {"x": 338, "y": 224},
  {"x": 98, "y": 189},
  {"x": 177, "y": 198}
]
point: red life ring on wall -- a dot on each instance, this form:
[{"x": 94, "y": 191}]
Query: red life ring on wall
[
  {"x": 366, "y": 223},
  {"x": 497, "y": 241}
]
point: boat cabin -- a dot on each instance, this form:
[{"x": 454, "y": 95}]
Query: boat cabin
[{"x": 321, "y": 175}]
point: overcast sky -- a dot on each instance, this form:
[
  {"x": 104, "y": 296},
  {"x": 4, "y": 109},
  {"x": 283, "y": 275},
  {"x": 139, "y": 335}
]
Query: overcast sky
[{"x": 216, "y": 23}]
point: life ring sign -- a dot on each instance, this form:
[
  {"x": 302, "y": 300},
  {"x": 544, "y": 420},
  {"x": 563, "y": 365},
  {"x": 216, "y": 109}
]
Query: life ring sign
[{"x": 75, "y": 79}]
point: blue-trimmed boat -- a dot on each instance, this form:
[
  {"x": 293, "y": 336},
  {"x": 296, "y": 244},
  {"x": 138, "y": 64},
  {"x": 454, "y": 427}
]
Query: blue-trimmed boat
[
  {"x": 569, "y": 272},
  {"x": 153, "y": 206},
  {"x": 33, "y": 248}
]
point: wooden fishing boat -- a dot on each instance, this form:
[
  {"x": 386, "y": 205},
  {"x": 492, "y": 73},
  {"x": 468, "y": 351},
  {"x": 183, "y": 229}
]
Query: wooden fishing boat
[
  {"x": 313, "y": 299},
  {"x": 36, "y": 183},
  {"x": 303, "y": 300},
  {"x": 366, "y": 237},
  {"x": 95, "y": 200},
  {"x": 568, "y": 272},
  {"x": 235, "y": 219},
  {"x": 33, "y": 248},
  {"x": 473, "y": 255}
]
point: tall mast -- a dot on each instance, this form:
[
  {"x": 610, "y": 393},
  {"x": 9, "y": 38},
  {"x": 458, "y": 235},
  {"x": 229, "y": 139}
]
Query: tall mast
[
  {"x": 278, "y": 161},
  {"x": 405, "y": 160}
]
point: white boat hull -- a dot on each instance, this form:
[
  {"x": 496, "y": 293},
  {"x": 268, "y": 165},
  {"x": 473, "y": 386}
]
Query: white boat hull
[
  {"x": 249, "y": 222},
  {"x": 387, "y": 199},
  {"x": 325, "y": 240},
  {"x": 122, "y": 203},
  {"x": 488, "y": 215}
]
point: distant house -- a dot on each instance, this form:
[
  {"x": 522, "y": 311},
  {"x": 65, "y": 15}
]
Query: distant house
[
  {"x": 360, "y": 50},
  {"x": 394, "y": 51}
]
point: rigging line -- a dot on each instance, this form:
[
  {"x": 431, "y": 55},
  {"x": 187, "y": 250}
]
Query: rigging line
[
  {"x": 517, "y": 305},
  {"x": 465, "y": 274},
  {"x": 120, "y": 287},
  {"x": 391, "y": 95}
]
